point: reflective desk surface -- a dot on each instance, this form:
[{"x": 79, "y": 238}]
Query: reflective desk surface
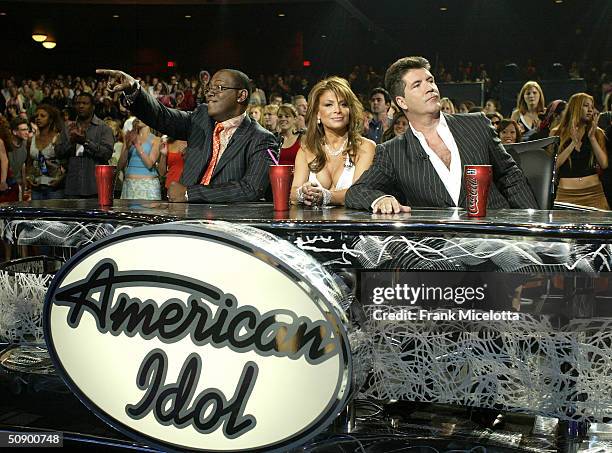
[{"x": 509, "y": 221}]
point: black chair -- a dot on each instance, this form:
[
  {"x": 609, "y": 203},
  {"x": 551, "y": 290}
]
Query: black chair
[{"x": 539, "y": 166}]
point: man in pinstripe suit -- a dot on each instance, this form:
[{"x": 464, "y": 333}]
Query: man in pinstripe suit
[
  {"x": 240, "y": 170},
  {"x": 424, "y": 167}
]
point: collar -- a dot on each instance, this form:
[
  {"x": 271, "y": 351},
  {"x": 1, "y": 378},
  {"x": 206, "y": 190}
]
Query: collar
[
  {"x": 234, "y": 122},
  {"x": 442, "y": 124}
]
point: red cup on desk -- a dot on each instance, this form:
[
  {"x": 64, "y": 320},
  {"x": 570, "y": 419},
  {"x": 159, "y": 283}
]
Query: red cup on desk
[
  {"x": 477, "y": 183},
  {"x": 281, "y": 178},
  {"x": 105, "y": 179}
]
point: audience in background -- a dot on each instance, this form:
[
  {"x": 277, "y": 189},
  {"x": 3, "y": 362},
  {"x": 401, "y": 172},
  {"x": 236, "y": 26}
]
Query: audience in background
[
  {"x": 171, "y": 160},
  {"x": 380, "y": 102},
  {"x": 270, "y": 118},
  {"x": 509, "y": 131},
  {"x": 9, "y": 190},
  {"x": 465, "y": 107},
  {"x": 255, "y": 112},
  {"x": 582, "y": 150},
  {"x": 139, "y": 154},
  {"x": 447, "y": 106},
  {"x": 529, "y": 106},
  {"x": 399, "y": 125},
  {"x": 289, "y": 134},
  {"x": 495, "y": 119},
  {"x": 44, "y": 169}
]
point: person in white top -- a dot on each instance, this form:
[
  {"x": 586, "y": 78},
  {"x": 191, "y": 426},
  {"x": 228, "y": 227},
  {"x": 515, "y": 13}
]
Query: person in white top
[{"x": 333, "y": 154}]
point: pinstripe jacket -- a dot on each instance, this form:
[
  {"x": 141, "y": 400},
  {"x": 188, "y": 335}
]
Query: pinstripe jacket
[
  {"x": 402, "y": 168},
  {"x": 242, "y": 171}
]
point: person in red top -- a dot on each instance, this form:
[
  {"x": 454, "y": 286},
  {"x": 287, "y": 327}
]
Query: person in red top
[
  {"x": 171, "y": 159},
  {"x": 289, "y": 133}
]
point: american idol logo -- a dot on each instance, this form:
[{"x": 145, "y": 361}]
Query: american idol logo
[{"x": 217, "y": 345}]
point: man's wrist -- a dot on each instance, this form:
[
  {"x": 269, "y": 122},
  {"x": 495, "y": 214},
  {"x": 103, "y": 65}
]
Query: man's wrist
[{"x": 129, "y": 95}]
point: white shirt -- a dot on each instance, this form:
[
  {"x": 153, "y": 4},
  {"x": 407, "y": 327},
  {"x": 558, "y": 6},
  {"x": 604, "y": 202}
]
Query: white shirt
[{"x": 451, "y": 177}]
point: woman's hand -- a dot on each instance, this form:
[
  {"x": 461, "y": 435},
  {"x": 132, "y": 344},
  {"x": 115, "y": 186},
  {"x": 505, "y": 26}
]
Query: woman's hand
[
  {"x": 593, "y": 128},
  {"x": 311, "y": 192},
  {"x": 3, "y": 186}
]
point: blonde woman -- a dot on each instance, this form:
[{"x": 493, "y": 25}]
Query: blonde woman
[
  {"x": 270, "y": 118},
  {"x": 447, "y": 106},
  {"x": 529, "y": 105},
  {"x": 334, "y": 154},
  {"x": 255, "y": 112},
  {"x": 582, "y": 148}
]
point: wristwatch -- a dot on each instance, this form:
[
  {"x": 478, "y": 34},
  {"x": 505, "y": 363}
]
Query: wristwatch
[{"x": 129, "y": 95}]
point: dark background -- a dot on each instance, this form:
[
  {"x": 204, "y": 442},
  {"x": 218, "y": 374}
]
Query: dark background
[{"x": 333, "y": 35}]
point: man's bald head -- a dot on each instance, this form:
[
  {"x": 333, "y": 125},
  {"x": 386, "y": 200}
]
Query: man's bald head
[{"x": 239, "y": 80}]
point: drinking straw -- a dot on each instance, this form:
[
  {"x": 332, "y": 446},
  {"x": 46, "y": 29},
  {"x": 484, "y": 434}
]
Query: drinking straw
[{"x": 272, "y": 156}]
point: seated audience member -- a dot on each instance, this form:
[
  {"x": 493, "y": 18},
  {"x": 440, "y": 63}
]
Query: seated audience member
[
  {"x": 270, "y": 118},
  {"x": 117, "y": 148},
  {"x": 255, "y": 111},
  {"x": 301, "y": 105},
  {"x": 333, "y": 154},
  {"x": 289, "y": 134},
  {"x": 398, "y": 127},
  {"x": 226, "y": 158},
  {"x": 425, "y": 165},
  {"x": 171, "y": 160},
  {"x": 138, "y": 157},
  {"x": 530, "y": 105},
  {"x": 447, "y": 106},
  {"x": 380, "y": 102},
  {"x": 44, "y": 169},
  {"x": 85, "y": 143},
  {"x": 465, "y": 107},
  {"x": 9, "y": 190},
  {"x": 551, "y": 119},
  {"x": 495, "y": 119},
  {"x": 276, "y": 99},
  {"x": 582, "y": 149},
  {"x": 509, "y": 131},
  {"x": 491, "y": 106}
]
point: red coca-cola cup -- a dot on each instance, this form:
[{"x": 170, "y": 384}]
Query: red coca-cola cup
[
  {"x": 281, "y": 178},
  {"x": 105, "y": 178},
  {"x": 477, "y": 183}
]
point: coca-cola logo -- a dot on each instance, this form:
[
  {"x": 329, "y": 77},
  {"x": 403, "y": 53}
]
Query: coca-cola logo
[
  {"x": 227, "y": 341},
  {"x": 472, "y": 195}
]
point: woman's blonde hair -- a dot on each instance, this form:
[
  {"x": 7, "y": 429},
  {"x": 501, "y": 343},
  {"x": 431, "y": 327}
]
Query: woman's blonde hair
[
  {"x": 521, "y": 105},
  {"x": 447, "y": 101},
  {"x": 314, "y": 139}
]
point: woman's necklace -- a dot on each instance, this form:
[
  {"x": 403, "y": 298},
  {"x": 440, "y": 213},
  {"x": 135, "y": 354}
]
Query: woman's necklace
[{"x": 335, "y": 152}]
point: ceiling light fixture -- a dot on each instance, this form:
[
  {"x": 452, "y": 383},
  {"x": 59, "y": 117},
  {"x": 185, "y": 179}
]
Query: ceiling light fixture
[
  {"x": 115, "y": 16},
  {"x": 49, "y": 44},
  {"x": 281, "y": 14},
  {"x": 39, "y": 37},
  {"x": 187, "y": 16},
  {"x": 443, "y": 8}
]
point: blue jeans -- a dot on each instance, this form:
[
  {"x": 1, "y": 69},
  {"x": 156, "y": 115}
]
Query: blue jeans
[{"x": 47, "y": 193}]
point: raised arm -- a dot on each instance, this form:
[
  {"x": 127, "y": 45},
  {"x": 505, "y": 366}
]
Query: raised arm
[{"x": 172, "y": 122}]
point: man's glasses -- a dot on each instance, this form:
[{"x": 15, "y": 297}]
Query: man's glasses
[{"x": 216, "y": 89}]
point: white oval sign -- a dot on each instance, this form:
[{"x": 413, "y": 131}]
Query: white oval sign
[{"x": 205, "y": 338}]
